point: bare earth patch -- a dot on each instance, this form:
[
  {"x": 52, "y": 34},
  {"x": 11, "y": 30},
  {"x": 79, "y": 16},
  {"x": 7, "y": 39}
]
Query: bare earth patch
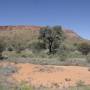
[{"x": 50, "y": 75}]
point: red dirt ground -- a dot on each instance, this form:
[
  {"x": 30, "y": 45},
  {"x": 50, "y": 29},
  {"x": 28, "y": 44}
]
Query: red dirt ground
[
  {"x": 49, "y": 75},
  {"x": 52, "y": 75}
]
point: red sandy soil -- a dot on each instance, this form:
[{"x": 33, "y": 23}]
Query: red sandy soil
[
  {"x": 20, "y": 27},
  {"x": 50, "y": 75}
]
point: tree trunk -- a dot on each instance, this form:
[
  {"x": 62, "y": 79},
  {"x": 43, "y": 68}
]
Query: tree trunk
[{"x": 50, "y": 47}]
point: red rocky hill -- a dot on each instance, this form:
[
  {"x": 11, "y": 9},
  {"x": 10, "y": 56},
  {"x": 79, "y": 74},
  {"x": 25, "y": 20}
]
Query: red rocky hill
[{"x": 70, "y": 34}]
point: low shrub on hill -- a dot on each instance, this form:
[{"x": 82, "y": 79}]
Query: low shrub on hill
[
  {"x": 88, "y": 58},
  {"x": 84, "y": 48}
]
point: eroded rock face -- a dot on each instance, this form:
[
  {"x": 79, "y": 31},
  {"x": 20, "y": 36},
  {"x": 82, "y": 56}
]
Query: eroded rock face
[
  {"x": 21, "y": 27},
  {"x": 70, "y": 34}
]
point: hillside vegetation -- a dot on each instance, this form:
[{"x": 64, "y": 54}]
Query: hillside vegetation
[
  {"x": 26, "y": 43},
  {"x": 43, "y": 46}
]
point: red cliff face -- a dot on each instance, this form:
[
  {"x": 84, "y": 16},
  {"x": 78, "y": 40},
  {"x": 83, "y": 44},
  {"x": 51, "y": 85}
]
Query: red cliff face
[
  {"x": 68, "y": 33},
  {"x": 20, "y": 27}
]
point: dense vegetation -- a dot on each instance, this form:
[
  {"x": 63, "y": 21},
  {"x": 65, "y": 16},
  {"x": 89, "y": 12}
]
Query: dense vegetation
[
  {"x": 84, "y": 48},
  {"x": 46, "y": 46},
  {"x": 52, "y": 38}
]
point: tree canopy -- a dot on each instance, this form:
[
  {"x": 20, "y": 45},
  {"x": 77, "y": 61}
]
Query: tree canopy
[{"x": 52, "y": 37}]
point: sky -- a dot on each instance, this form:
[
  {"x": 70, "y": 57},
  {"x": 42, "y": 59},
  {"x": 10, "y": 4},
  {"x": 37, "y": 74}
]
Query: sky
[{"x": 70, "y": 14}]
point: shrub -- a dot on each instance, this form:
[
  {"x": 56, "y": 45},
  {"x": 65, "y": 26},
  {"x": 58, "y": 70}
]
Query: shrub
[
  {"x": 10, "y": 49},
  {"x": 19, "y": 40},
  {"x": 2, "y": 47},
  {"x": 25, "y": 86},
  {"x": 62, "y": 53},
  {"x": 84, "y": 48},
  {"x": 63, "y": 57},
  {"x": 26, "y": 53},
  {"x": 80, "y": 83},
  {"x": 79, "y": 88},
  {"x": 88, "y": 58},
  {"x": 18, "y": 45},
  {"x": 37, "y": 46}
]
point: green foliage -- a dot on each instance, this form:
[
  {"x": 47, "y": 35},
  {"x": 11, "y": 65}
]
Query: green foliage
[
  {"x": 88, "y": 58},
  {"x": 84, "y": 48},
  {"x": 36, "y": 46},
  {"x": 63, "y": 57},
  {"x": 62, "y": 53},
  {"x": 52, "y": 37},
  {"x": 75, "y": 54},
  {"x": 25, "y": 86},
  {"x": 79, "y": 88},
  {"x": 2, "y": 47},
  {"x": 18, "y": 43},
  {"x": 80, "y": 83},
  {"x": 18, "y": 40}
]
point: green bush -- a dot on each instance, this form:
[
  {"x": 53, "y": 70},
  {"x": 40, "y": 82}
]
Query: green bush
[
  {"x": 18, "y": 40},
  {"x": 36, "y": 46},
  {"x": 88, "y": 58},
  {"x": 80, "y": 83},
  {"x": 2, "y": 47},
  {"x": 79, "y": 88},
  {"x": 25, "y": 86},
  {"x": 84, "y": 48},
  {"x": 63, "y": 57}
]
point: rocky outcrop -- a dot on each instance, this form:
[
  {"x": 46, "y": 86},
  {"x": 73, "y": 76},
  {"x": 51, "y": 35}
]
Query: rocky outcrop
[
  {"x": 21, "y": 27},
  {"x": 70, "y": 34}
]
